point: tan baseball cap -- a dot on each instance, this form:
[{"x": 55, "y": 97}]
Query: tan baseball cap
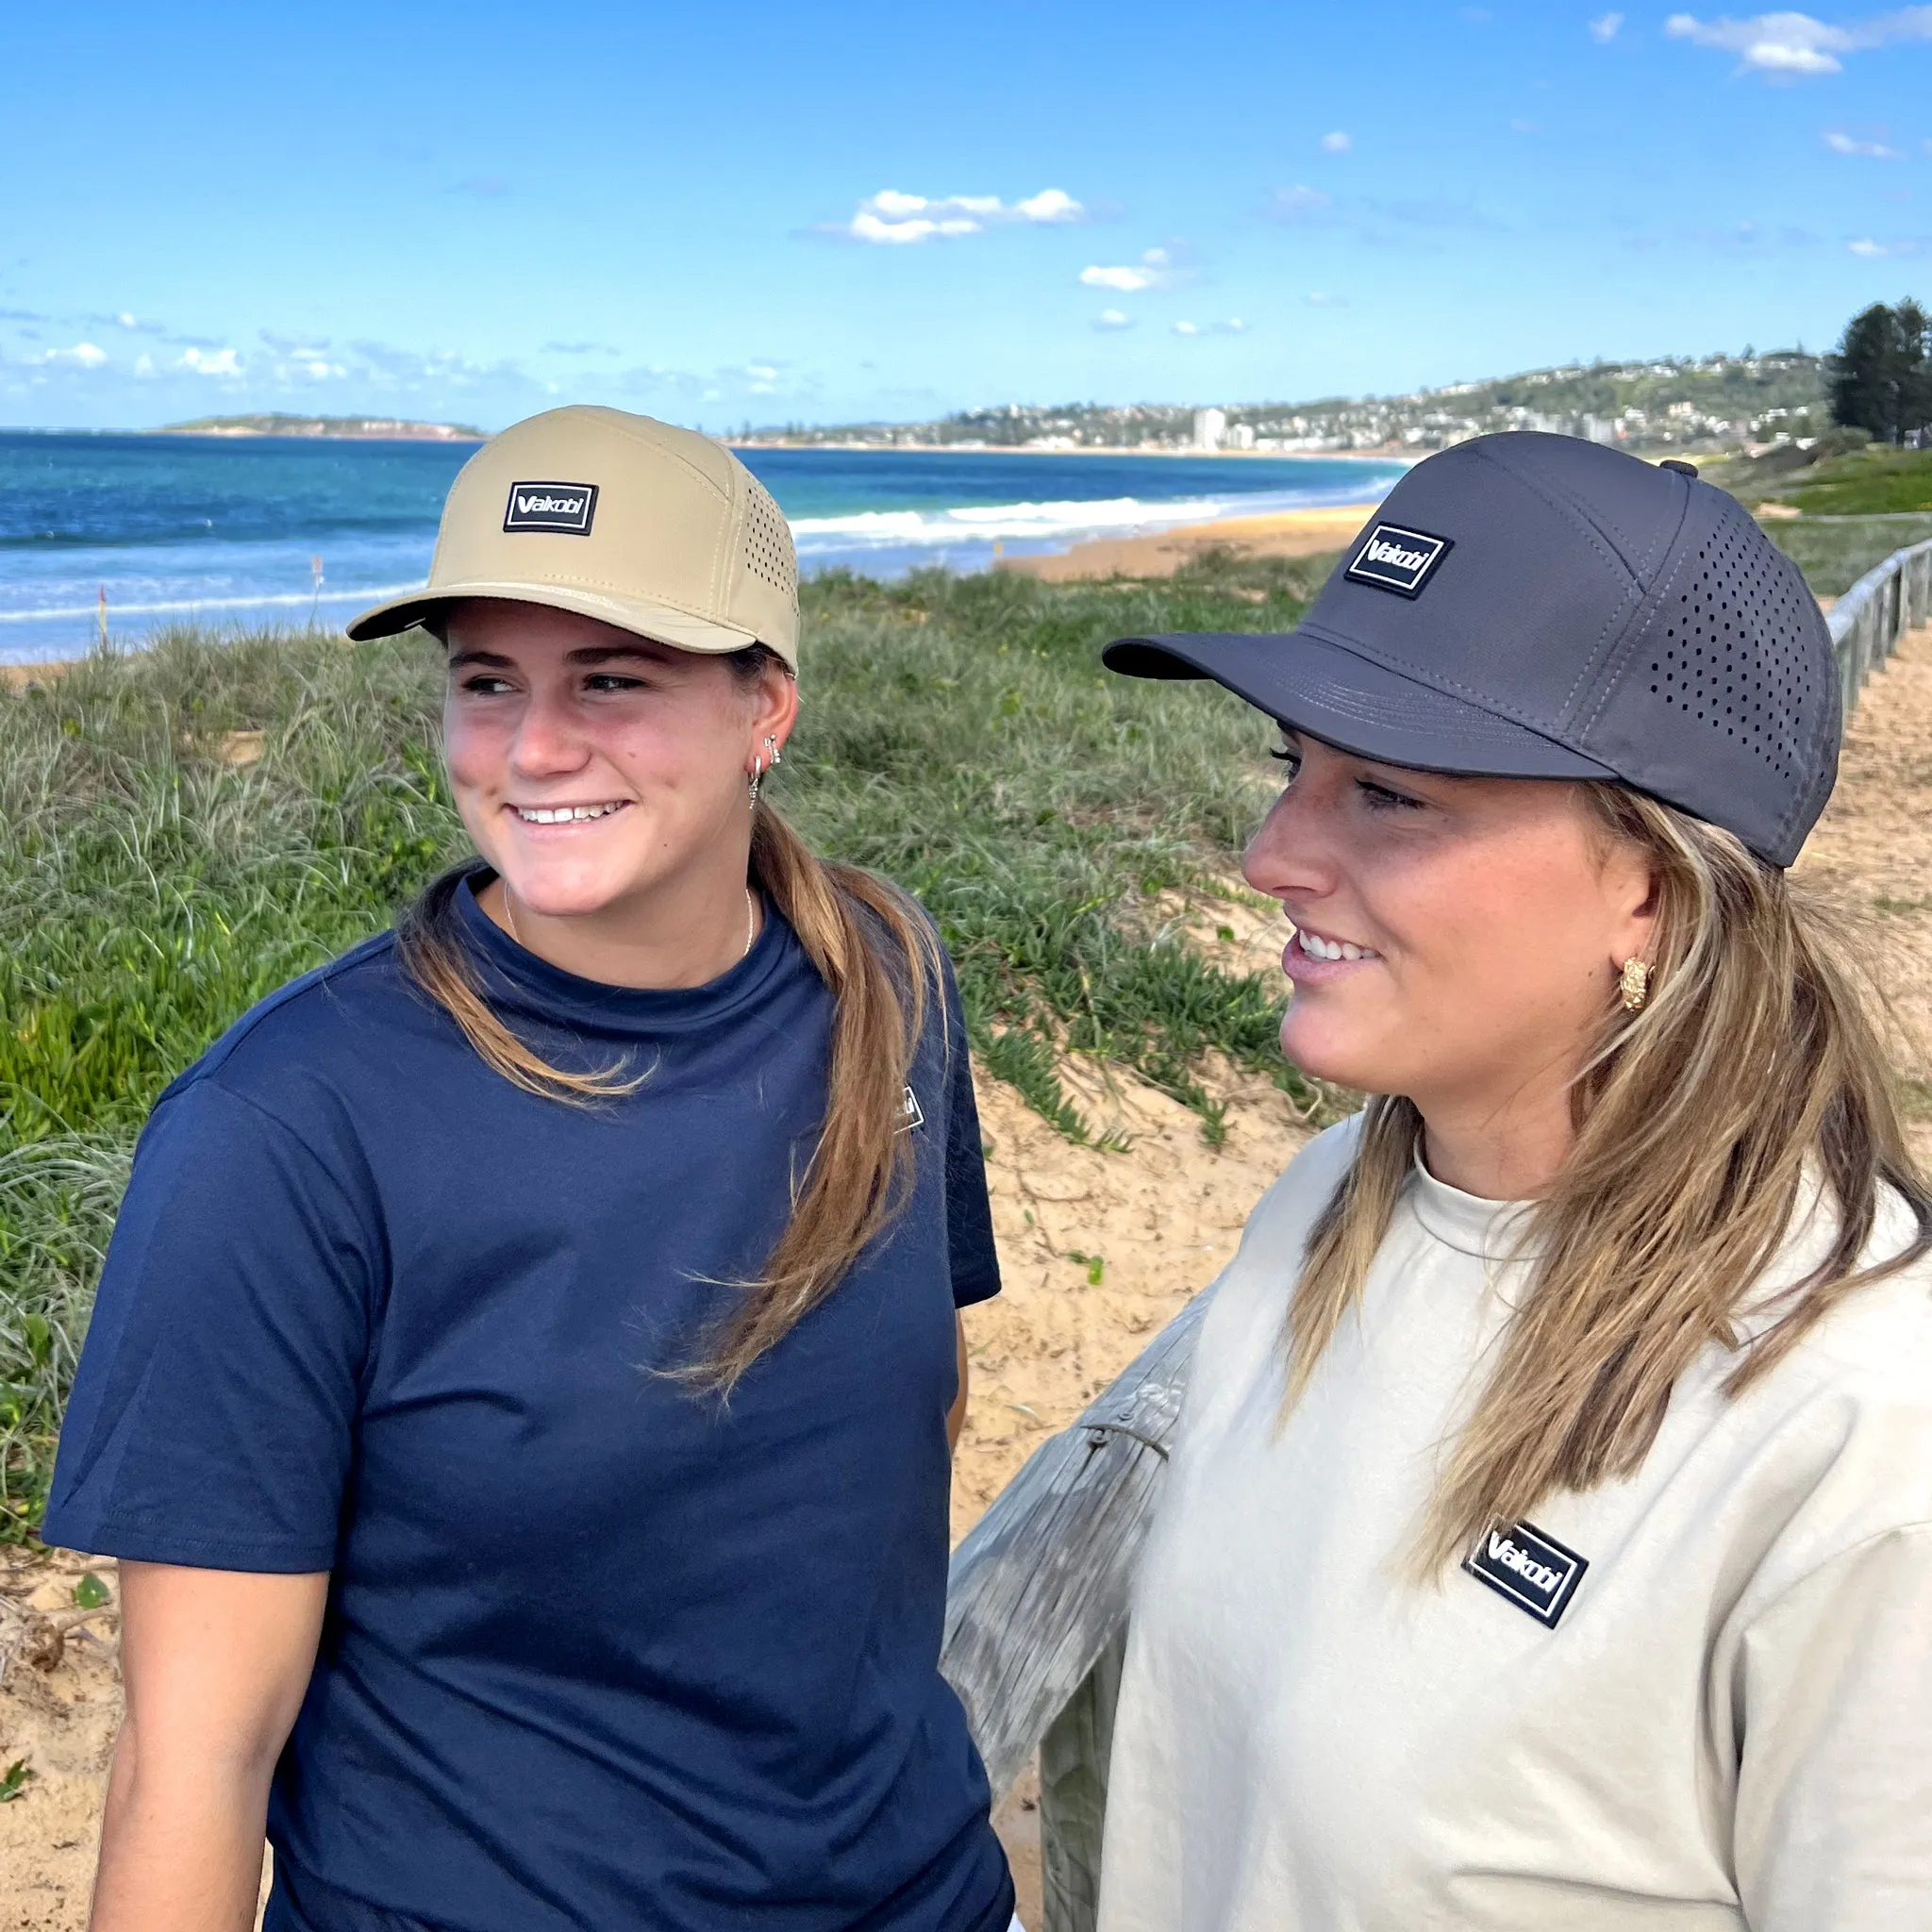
[{"x": 657, "y": 530}]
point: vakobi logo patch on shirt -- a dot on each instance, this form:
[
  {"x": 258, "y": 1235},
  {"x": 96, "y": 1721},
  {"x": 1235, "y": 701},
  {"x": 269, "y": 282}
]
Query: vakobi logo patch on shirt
[
  {"x": 1394, "y": 559},
  {"x": 1535, "y": 1571},
  {"x": 563, "y": 509}
]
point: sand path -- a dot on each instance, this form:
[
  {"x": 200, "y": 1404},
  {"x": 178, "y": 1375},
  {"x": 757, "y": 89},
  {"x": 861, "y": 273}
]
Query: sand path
[{"x": 1098, "y": 1249}]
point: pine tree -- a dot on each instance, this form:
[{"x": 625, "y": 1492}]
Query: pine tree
[
  {"x": 1881, "y": 376},
  {"x": 1915, "y": 373}
]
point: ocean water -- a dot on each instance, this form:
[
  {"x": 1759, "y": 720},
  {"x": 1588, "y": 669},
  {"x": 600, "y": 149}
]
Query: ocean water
[{"x": 273, "y": 531}]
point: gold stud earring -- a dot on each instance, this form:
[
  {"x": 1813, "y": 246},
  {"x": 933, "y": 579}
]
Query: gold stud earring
[{"x": 1633, "y": 985}]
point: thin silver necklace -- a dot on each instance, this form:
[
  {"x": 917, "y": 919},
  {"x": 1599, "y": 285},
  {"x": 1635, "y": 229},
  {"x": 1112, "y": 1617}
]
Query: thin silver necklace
[{"x": 751, "y": 919}]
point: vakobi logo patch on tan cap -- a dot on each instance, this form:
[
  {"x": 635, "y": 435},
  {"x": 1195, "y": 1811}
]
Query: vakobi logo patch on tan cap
[
  {"x": 642, "y": 524},
  {"x": 565, "y": 506}
]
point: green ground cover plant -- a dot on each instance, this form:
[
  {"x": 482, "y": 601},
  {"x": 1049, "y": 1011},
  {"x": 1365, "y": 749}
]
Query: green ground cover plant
[
  {"x": 1835, "y": 552},
  {"x": 958, "y": 735},
  {"x": 1875, "y": 481}
]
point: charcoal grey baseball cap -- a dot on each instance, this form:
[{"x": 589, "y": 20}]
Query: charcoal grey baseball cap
[{"x": 1538, "y": 606}]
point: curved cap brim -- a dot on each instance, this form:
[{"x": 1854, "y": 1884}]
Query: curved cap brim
[
  {"x": 660, "y": 622},
  {"x": 1353, "y": 704}
]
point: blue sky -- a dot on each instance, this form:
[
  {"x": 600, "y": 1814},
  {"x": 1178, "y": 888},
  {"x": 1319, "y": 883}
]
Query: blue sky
[{"x": 760, "y": 213}]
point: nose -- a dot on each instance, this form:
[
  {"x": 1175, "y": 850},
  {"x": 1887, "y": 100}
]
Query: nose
[
  {"x": 549, "y": 743},
  {"x": 1292, "y": 856}
]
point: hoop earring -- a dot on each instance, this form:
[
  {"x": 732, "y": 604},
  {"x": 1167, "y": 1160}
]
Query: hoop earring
[
  {"x": 768, "y": 760},
  {"x": 1633, "y": 985}
]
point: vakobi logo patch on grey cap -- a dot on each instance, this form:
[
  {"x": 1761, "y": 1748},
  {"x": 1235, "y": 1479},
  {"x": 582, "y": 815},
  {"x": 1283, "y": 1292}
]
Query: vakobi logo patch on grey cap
[
  {"x": 564, "y": 509},
  {"x": 1398, "y": 559}
]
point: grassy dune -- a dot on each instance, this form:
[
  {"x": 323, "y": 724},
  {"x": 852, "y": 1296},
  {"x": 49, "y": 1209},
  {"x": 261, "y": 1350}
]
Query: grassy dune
[
  {"x": 1835, "y": 552},
  {"x": 957, "y": 735}
]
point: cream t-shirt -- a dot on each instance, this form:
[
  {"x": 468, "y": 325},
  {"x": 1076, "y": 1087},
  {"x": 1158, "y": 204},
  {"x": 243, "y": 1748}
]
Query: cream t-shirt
[{"x": 1728, "y": 1724}]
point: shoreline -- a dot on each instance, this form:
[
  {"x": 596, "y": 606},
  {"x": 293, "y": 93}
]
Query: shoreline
[
  {"x": 1160, "y": 553},
  {"x": 1145, "y": 554},
  {"x": 1407, "y": 458}
]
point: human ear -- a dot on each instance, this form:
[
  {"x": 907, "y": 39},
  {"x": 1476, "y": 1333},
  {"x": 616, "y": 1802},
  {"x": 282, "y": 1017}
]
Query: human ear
[
  {"x": 774, "y": 707},
  {"x": 1632, "y": 889}
]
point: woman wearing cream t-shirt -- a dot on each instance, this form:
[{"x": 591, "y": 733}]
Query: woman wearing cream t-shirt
[{"x": 1549, "y": 1538}]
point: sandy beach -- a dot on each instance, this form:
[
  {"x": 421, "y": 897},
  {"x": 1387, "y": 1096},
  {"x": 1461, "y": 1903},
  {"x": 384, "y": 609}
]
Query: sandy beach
[{"x": 1159, "y": 554}]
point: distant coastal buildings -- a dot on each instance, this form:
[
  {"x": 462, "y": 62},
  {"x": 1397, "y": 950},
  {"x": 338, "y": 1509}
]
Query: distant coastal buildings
[
  {"x": 1751, "y": 402},
  {"x": 352, "y": 428},
  {"x": 1211, "y": 428}
]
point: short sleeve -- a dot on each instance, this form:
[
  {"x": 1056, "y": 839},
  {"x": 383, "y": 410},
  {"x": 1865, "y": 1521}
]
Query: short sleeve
[
  {"x": 213, "y": 1413},
  {"x": 1837, "y": 1707},
  {"x": 976, "y": 1267}
]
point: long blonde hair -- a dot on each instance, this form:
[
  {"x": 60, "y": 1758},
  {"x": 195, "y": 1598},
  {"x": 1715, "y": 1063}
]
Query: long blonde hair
[
  {"x": 880, "y": 960},
  {"x": 1696, "y": 1121}
]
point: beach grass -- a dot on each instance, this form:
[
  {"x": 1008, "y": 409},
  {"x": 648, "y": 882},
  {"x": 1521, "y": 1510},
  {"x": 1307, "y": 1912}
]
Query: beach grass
[
  {"x": 1873, "y": 481},
  {"x": 185, "y": 827},
  {"x": 1835, "y": 552}
]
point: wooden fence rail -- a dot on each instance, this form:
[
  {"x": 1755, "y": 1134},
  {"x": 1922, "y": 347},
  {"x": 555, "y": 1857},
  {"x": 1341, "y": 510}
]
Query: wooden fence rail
[
  {"x": 1037, "y": 1600},
  {"x": 1867, "y": 622}
]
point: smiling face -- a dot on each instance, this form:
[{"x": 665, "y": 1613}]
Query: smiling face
[
  {"x": 600, "y": 774},
  {"x": 1457, "y": 939}
]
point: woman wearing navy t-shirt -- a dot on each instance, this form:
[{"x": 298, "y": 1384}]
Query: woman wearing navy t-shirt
[{"x": 522, "y": 1383}]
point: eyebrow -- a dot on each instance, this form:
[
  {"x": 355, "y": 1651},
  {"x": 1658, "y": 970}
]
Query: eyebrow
[{"x": 586, "y": 655}]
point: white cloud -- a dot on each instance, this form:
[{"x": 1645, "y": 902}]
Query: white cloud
[
  {"x": 867, "y": 227},
  {"x": 210, "y": 362},
  {"x": 1110, "y": 319},
  {"x": 1051, "y": 205},
  {"x": 1155, "y": 272},
  {"x": 1186, "y": 328},
  {"x": 1604, "y": 27},
  {"x": 1841, "y": 144},
  {"x": 1794, "y": 47},
  {"x": 82, "y": 356},
  {"x": 1869, "y": 250},
  {"x": 1317, "y": 300},
  {"x": 1771, "y": 43},
  {"x": 1234, "y": 326},
  {"x": 1336, "y": 143},
  {"x": 893, "y": 218},
  {"x": 143, "y": 364},
  {"x": 1298, "y": 202}
]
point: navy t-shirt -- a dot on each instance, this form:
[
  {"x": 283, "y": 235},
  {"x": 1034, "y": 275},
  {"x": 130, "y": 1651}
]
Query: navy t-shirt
[{"x": 599, "y": 1652}]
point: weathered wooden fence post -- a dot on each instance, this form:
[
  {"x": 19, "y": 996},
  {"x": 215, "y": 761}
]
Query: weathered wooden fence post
[
  {"x": 1040, "y": 1586},
  {"x": 1074, "y": 1758}
]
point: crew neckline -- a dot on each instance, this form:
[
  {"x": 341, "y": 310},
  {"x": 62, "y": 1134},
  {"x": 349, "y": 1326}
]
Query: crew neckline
[
  {"x": 520, "y": 979},
  {"x": 1467, "y": 1222}
]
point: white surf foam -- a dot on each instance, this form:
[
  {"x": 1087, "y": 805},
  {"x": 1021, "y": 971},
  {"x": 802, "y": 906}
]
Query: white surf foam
[
  {"x": 173, "y": 607},
  {"x": 1047, "y": 523}
]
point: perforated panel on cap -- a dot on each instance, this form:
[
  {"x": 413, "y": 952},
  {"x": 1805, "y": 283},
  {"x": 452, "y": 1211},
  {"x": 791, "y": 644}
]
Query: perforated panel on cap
[
  {"x": 1733, "y": 652},
  {"x": 768, "y": 552}
]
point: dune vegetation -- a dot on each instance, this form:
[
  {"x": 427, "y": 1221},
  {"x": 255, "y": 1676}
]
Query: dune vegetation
[{"x": 184, "y": 827}]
